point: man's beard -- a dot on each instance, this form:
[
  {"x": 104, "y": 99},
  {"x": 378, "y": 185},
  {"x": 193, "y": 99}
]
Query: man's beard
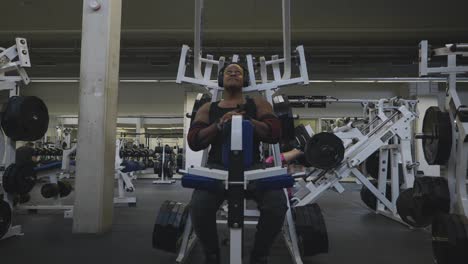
[{"x": 233, "y": 88}]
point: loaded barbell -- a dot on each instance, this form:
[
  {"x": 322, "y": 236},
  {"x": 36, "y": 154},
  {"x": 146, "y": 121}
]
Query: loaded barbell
[
  {"x": 436, "y": 136},
  {"x": 25, "y": 118}
]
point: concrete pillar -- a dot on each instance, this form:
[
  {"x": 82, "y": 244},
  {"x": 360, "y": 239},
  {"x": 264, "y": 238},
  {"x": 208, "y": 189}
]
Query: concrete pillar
[
  {"x": 137, "y": 130},
  {"x": 99, "y": 79},
  {"x": 140, "y": 139}
]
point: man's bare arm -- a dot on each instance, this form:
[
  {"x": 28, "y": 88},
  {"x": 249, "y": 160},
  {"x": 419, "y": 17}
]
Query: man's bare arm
[
  {"x": 201, "y": 133},
  {"x": 267, "y": 125}
]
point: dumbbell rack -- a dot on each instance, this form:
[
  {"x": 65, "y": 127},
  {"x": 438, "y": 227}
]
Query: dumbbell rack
[
  {"x": 457, "y": 167},
  {"x": 64, "y": 173},
  {"x": 9, "y": 83},
  {"x": 398, "y": 124},
  {"x": 57, "y": 201}
]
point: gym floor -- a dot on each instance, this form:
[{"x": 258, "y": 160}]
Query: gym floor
[{"x": 356, "y": 235}]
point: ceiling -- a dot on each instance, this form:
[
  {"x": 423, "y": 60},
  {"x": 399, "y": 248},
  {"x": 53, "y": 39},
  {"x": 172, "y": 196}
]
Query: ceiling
[{"x": 338, "y": 34}]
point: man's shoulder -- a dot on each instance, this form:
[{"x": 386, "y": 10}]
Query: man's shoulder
[{"x": 260, "y": 101}]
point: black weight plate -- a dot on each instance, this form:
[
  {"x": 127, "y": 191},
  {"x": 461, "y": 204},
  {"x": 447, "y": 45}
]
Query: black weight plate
[
  {"x": 25, "y": 178},
  {"x": 169, "y": 226},
  {"x": 5, "y": 218},
  {"x": 301, "y": 135},
  {"x": 324, "y": 151},
  {"x": 415, "y": 211},
  {"x": 449, "y": 238},
  {"x": 435, "y": 191},
  {"x": 25, "y": 118},
  {"x": 49, "y": 190},
  {"x": 65, "y": 188},
  {"x": 8, "y": 179},
  {"x": 310, "y": 229},
  {"x": 437, "y": 144},
  {"x": 372, "y": 164}
]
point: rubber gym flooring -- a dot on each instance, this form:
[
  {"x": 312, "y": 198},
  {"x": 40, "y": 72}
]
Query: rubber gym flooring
[{"x": 356, "y": 235}]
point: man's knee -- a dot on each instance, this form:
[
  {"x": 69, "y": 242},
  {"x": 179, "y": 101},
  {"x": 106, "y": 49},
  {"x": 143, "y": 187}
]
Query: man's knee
[
  {"x": 204, "y": 202},
  {"x": 273, "y": 203}
]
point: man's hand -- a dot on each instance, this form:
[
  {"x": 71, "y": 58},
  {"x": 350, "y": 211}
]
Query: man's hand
[{"x": 228, "y": 116}]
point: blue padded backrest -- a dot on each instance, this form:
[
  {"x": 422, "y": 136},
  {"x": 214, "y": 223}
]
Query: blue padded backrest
[
  {"x": 247, "y": 144},
  {"x": 49, "y": 166},
  {"x": 200, "y": 182},
  {"x": 130, "y": 165},
  {"x": 273, "y": 183}
]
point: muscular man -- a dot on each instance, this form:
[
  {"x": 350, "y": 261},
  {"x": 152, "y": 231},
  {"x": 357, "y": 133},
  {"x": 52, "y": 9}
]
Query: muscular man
[{"x": 205, "y": 131}]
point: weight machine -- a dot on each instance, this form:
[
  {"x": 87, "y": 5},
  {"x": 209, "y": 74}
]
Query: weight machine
[
  {"x": 458, "y": 113},
  {"x": 390, "y": 121},
  {"x": 267, "y": 86},
  {"x": 445, "y": 143},
  {"x": 12, "y": 59}
]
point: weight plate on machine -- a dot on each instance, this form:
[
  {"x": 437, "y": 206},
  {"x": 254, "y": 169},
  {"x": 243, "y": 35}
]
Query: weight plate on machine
[
  {"x": 19, "y": 179},
  {"x": 301, "y": 135},
  {"x": 370, "y": 199},
  {"x": 324, "y": 151},
  {"x": 372, "y": 167},
  {"x": 5, "y": 218},
  {"x": 200, "y": 100},
  {"x": 283, "y": 111},
  {"x": 435, "y": 191},
  {"x": 25, "y": 118},
  {"x": 25, "y": 178},
  {"x": 311, "y": 230},
  {"x": 437, "y": 139},
  {"x": 169, "y": 226},
  {"x": 414, "y": 210},
  {"x": 8, "y": 179},
  {"x": 450, "y": 238}
]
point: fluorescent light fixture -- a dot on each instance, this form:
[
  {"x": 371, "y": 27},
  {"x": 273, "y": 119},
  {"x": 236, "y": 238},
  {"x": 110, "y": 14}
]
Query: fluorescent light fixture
[
  {"x": 344, "y": 80},
  {"x": 165, "y": 128},
  {"x": 140, "y": 81}
]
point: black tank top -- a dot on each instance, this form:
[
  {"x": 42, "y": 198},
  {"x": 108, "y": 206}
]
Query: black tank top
[{"x": 216, "y": 112}]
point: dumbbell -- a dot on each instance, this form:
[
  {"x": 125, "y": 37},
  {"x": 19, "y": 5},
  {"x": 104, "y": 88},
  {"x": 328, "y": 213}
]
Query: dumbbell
[{"x": 62, "y": 189}]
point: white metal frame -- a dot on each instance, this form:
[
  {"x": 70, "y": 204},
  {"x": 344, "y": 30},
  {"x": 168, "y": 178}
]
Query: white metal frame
[
  {"x": 124, "y": 180},
  {"x": 457, "y": 167},
  {"x": 67, "y": 209},
  {"x": 398, "y": 126},
  {"x": 14, "y": 58},
  {"x": 65, "y": 172},
  {"x": 236, "y": 233}
]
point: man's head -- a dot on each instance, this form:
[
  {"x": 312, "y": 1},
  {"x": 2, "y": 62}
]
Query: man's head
[{"x": 233, "y": 76}]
